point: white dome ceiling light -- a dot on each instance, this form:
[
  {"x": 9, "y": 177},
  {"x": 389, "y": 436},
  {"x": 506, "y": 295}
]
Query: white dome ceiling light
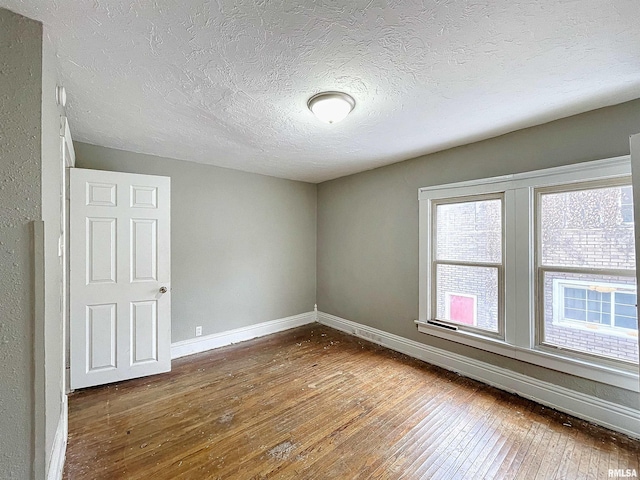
[{"x": 331, "y": 107}]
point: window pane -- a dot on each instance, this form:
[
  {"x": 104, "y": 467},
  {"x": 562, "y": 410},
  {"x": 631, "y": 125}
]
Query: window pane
[
  {"x": 468, "y": 295},
  {"x": 469, "y": 231},
  {"x": 625, "y": 299},
  {"x": 578, "y": 314},
  {"x": 626, "y": 313},
  {"x": 626, "y": 204},
  {"x": 575, "y": 314},
  {"x": 627, "y": 213},
  {"x": 587, "y": 228}
]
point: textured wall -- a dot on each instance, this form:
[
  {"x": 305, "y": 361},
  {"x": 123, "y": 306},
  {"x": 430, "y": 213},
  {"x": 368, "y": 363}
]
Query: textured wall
[
  {"x": 243, "y": 245},
  {"x": 51, "y": 190},
  {"x": 20, "y": 87},
  {"x": 368, "y": 225}
]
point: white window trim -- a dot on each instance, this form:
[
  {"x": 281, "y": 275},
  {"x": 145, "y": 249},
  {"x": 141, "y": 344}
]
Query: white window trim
[{"x": 519, "y": 305}]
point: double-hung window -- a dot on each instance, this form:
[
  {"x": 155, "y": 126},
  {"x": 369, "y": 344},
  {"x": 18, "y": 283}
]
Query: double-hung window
[
  {"x": 468, "y": 269},
  {"x": 586, "y": 270},
  {"x": 538, "y": 266}
]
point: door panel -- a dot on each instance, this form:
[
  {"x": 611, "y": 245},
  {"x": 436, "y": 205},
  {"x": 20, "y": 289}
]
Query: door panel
[
  {"x": 101, "y": 194},
  {"x": 144, "y": 323},
  {"x": 101, "y": 250},
  {"x": 144, "y": 252},
  {"x": 120, "y": 259},
  {"x": 101, "y": 329}
]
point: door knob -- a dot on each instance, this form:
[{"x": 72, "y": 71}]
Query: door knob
[{"x": 163, "y": 289}]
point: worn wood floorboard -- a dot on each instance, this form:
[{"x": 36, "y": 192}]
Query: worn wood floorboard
[{"x": 314, "y": 403}]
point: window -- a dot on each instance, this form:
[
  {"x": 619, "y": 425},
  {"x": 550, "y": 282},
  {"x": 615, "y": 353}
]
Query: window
[
  {"x": 467, "y": 235},
  {"x": 595, "y": 305},
  {"x": 626, "y": 204},
  {"x": 537, "y": 266},
  {"x": 586, "y": 267}
]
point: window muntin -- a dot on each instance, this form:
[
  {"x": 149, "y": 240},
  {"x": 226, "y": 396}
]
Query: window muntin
[
  {"x": 586, "y": 305},
  {"x": 587, "y": 271},
  {"x": 468, "y": 245}
]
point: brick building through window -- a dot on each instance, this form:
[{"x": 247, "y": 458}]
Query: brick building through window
[{"x": 591, "y": 228}]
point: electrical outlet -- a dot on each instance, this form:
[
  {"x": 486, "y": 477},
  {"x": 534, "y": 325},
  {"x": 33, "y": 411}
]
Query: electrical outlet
[{"x": 198, "y": 331}]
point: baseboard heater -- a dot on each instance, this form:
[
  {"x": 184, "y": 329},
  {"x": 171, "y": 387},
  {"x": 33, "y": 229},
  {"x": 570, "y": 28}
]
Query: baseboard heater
[{"x": 442, "y": 325}]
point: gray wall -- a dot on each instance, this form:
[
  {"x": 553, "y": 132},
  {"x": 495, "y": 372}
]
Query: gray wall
[
  {"x": 243, "y": 245},
  {"x": 368, "y": 225},
  {"x": 20, "y": 128}
]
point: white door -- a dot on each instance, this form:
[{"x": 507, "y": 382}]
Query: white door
[{"x": 120, "y": 296}]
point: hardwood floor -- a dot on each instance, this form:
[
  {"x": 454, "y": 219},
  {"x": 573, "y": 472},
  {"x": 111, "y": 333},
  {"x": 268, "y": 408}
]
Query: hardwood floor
[{"x": 314, "y": 403}]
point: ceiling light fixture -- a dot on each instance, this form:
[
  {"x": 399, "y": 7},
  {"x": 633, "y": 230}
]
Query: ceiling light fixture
[{"x": 331, "y": 107}]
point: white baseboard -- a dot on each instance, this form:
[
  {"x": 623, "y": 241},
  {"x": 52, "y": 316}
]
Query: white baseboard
[
  {"x": 216, "y": 340},
  {"x": 59, "y": 449},
  {"x": 611, "y": 415}
]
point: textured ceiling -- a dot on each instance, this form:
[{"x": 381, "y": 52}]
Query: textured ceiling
[{"x": 226, "y": 82}]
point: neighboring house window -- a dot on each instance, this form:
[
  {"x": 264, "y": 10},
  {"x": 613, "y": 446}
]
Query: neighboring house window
[
  {"x": 593, "y": 305},
  {"x": 626, "y": 205},
  {"x": 538, "y": 266}
]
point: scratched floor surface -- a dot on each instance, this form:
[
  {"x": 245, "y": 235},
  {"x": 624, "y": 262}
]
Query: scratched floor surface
[{"x": 313, "y": 403}]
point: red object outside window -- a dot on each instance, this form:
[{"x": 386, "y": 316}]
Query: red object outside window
[{"x": 461, "y": 309}]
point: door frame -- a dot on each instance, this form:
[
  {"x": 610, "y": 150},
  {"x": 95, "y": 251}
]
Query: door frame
[{"x": 68, "y": 161}]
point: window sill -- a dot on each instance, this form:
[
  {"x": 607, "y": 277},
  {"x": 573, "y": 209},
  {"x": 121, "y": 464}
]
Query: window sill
[{"x": 607, "y": 374}]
